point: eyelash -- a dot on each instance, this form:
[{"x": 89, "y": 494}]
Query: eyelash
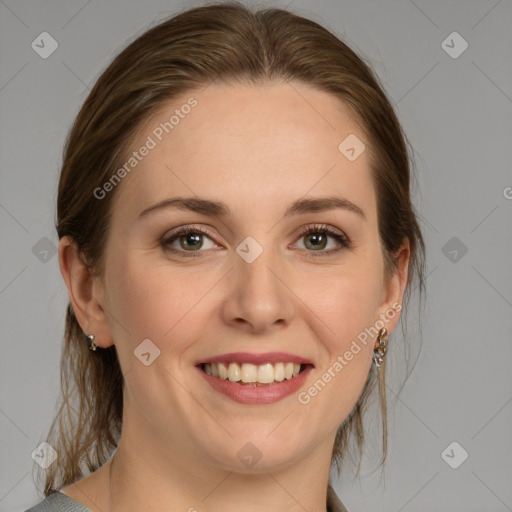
[{"x": 342, "y": 239}]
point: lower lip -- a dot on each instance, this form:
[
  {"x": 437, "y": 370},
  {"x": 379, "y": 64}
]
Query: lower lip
[{"x": 256, "y": 395}]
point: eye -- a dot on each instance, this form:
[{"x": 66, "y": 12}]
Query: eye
[
  {"x": 317, "y": 238},
  {"x": 187, "y": 239}
]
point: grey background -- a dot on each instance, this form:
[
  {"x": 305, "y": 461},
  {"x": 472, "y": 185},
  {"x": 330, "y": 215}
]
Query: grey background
[{"x": 457, "y": 113}]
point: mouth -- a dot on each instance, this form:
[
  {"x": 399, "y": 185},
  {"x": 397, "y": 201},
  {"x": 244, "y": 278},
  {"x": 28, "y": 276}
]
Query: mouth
[{"x": 248, "y": 374}]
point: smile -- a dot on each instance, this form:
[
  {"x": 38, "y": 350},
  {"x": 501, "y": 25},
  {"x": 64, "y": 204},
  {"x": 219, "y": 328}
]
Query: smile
[{"x": 252, "y": 374}]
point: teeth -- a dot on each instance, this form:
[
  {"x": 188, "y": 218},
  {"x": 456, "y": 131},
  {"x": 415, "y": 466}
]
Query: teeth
[
  {"x": 288, "y": 370},
  {"x": 265, "y": 373},
  {"x": 234, "y": 372},
  {"x": 279, "y": 372},
  {"x": 250, "y": 373},
  {"x": 223, "y": 371}
]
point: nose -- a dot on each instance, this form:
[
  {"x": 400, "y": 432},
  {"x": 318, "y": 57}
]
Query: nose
[{"x": 258, "y": 298}]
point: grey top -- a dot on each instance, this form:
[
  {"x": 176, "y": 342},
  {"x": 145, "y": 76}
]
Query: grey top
[{"x": 58, "y": 502}]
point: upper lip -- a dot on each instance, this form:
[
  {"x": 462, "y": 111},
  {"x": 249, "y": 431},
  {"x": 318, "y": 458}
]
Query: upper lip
[{"x": 256, "y": 359}]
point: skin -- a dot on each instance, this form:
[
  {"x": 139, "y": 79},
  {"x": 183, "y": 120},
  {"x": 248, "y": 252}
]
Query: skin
[{"x": 257, "y": 149}]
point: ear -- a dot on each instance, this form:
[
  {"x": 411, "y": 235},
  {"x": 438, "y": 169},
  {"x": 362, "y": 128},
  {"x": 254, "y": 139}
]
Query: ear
[
  {"x": 85, "y": 293},
  {"x": 394, "y": 289}
]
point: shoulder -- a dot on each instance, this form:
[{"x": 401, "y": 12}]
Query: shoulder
[
  {"x": 334, "y": 504},
  {"x": 58, "y": 502}
]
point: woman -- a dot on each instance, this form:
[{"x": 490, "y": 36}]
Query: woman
[{"x": 237, "y": 240}]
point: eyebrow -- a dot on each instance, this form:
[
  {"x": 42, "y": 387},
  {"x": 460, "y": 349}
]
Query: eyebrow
[{"x": 219, "y": 209}]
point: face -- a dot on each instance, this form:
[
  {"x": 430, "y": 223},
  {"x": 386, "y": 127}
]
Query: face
[{"x": 270, "y": 269}]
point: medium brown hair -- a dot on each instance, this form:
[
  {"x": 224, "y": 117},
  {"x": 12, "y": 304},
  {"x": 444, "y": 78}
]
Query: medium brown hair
[{"x": 224, "y": 43}]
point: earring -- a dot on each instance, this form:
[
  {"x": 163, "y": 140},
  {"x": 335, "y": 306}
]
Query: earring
[
  {"x": 90, "y": 339},
  {"x": 380, "y": 347}
]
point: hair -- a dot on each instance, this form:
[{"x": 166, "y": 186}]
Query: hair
[{"x": 223, "y": 43}]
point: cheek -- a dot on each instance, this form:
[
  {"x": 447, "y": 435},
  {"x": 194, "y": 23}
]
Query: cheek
[
  {"x": 349, "y": 316},
  {"x": 149, "y": 300},
  {"x": 348, "y": 304},
  {"x": 340, "y": 379},
  {"x": 346, "y": 308},
  {"x": 143, "y": 305}
]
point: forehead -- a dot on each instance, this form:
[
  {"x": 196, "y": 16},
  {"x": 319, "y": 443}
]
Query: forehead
[{"x": 244, "y": 144}]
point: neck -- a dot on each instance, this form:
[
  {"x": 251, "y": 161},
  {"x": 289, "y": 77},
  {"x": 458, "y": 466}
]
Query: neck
[{"x": 143, "y": 476}]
